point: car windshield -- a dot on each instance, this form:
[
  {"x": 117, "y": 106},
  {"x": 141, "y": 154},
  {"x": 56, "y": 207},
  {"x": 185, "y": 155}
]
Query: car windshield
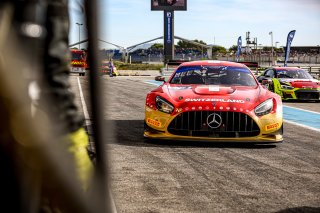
[
  {"x": 297, "y": 74},
  {"x": 214, "y": 75},
  {"x": 77, "y": 56}
]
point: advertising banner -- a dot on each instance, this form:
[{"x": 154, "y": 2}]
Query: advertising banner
[
  {"x": 289, "y": 41},
  {"x": 168, "y": 35},
  {"x": 239, "y": 48},
  {"x": 169, "y": 5}
]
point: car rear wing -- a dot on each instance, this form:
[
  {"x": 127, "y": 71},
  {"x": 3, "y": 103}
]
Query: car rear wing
[
  {"x": 171, "y": 66},
  {"x": 250, "y": 64},
  {"x": 175, "y": 63}
]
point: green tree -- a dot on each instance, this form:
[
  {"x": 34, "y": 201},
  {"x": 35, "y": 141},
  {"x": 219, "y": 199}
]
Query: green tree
[
  {"x": 185, "y": 44},
  {"x": 157, "y": 46},
  {"x": 266, "y": 48},
  {"x": 219, "y": 49},
  {"x": 233, "y": 48}
]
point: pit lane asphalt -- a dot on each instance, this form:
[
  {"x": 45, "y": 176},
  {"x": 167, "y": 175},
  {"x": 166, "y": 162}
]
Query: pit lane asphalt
[{"x": 203, "y": 177}]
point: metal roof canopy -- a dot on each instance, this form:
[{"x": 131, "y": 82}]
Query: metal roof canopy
[{"x": 128, "y": 49}]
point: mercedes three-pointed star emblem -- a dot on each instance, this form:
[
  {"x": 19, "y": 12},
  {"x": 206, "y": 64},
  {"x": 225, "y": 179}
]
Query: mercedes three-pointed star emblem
[{"x": 214, "y": 120}]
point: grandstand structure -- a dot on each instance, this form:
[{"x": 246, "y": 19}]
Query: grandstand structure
[{"x": 299, "y": 54}]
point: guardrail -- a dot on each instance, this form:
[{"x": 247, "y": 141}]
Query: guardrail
[{"x": 314, "y": 71}]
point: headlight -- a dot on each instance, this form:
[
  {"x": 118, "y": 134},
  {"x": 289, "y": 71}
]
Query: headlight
[
  {"x": 163, "y": 105},
  {"x": 264, "y": 108},
  {"x": 286, "y": 86}
]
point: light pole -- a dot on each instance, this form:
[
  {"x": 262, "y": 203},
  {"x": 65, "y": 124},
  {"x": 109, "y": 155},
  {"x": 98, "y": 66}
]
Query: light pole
[
  {"x": 260, "y": 47},
  {"x": 79, "y": 24},
  {"x": 270, "y": 33}
]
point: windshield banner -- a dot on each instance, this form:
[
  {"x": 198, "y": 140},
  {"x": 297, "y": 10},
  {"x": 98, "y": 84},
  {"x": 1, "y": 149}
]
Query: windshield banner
[
  {"x": 289, "y": 41},
  {"x": 239, "y": 48}
]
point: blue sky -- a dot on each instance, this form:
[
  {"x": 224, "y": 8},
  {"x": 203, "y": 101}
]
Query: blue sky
[{"x": 220, "y": 22}]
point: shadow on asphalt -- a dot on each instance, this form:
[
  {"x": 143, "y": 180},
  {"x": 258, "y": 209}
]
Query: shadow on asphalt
[
  {"x": 303, "y": 209},
  {"x": 130, "y": 133},
  {"x": 301, "y": 101}
]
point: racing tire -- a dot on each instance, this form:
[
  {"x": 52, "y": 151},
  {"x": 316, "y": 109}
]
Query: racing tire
[
  {"x": 146, "y": 139},
  {"x": 281, "y": 129}
]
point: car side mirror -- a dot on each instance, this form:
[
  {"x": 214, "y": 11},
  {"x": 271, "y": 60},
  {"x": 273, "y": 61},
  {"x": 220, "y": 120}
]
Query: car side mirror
[
  {"x": 265, "y": 82},
  {"x": 160, "y": 78}
]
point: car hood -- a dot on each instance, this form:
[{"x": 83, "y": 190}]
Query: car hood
[
  {"x": 301, "y": 83},
  {"x": 208, "y": 95}
]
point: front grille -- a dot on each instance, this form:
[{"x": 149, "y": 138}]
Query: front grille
[
  {"x": 307, "y": 94},
  {"x": 194, "y": 123}
]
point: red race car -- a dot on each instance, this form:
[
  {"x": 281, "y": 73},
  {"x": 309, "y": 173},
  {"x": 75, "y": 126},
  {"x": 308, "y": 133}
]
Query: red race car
[{"x": 213, "y": 101}]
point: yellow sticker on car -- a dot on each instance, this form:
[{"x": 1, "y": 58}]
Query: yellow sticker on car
[
  {"x": 272, "y": 126},
  {"x": 153, "y": 122}
]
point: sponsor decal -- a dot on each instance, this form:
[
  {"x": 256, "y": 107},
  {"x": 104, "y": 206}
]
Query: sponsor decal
[
  {"x": 214, "y": 88},
  {"x": 179, "y": 110},
  {"x": 148, "y": 109},
  {"x": 153, "y": 122},
  {"x": 272, "y": 126},
  {"x": 179, "y": 88},
  {"x": 214, "y": 100}
]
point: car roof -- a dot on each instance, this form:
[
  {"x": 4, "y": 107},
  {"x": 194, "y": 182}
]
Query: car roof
[
  {"x": 212, "y": 63},
  {"x": 286, "y": 68},
  {"x": 77, "y": 50}
]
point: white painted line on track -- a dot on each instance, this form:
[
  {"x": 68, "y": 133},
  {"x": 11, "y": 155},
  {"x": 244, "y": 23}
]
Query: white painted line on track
[
  {"x": 301, "y": 125},
  {"x": 151, "y": 83},
  {"x": 88, "y": 124},
  {"x": 84, "y": 105},
  {"x": 301, "y": 109}
]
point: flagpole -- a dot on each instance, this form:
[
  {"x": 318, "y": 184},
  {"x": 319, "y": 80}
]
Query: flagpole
[{"x": 272, "y": 60}]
